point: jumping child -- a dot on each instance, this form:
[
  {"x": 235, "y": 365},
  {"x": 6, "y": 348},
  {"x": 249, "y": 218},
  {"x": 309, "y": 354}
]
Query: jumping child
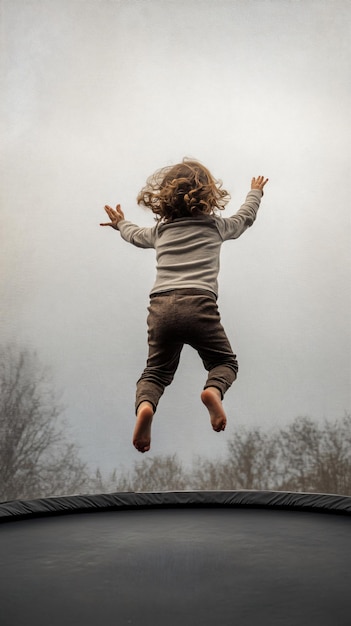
[{"x": 187, "y": 237}]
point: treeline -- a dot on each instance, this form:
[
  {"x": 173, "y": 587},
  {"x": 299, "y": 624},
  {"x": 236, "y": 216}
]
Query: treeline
[
  {"x": 37, "y": 459},
  {"x": 305, "y": 456}
]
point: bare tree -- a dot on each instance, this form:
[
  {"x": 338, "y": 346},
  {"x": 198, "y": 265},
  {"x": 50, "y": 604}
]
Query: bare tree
[
  {"x": 250, "y": 463},
  {"x": 35, "y": 457},
  {"x": 304, "y": 456},
  {"x": 159, "y": 473},
  {"x": 316, "y": 457}
]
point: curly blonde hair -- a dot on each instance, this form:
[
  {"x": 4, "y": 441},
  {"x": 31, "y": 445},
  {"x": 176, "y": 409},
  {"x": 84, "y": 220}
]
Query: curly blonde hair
[{"x": 183, "y": 190}]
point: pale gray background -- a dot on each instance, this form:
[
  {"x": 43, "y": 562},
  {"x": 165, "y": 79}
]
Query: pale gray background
[{"x": 96, "y": 95}]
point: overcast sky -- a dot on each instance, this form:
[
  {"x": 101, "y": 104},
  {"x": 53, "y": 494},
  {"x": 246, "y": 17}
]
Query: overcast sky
[{"x": 96, "y": 95}]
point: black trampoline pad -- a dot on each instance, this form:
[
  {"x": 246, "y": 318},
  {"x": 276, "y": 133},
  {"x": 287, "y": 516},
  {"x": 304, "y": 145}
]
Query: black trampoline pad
[{"x": 188, "y": 566}]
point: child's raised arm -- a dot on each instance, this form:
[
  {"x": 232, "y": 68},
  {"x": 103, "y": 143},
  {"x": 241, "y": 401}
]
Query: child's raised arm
[{"x": 114, "y": 215}]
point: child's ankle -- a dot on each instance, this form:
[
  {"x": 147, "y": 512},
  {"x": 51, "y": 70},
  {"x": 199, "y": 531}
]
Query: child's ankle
[{"x": 145, "y": 405}]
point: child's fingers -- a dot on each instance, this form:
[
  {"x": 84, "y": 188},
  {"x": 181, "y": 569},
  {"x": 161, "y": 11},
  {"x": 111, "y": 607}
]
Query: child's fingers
[
  {"x": 109, "y": 210},
  {"x": 260, "y": 180},
  {"x": 113, "y": 215},
  {"x": 119, "y": 210}
]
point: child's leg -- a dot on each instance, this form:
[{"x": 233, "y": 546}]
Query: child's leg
[
  {"x": 150, "y": 388},
  {"x": 162, "y": 363},
  {"x": 212, "y": 344}
]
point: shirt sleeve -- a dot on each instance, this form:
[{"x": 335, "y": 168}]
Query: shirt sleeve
[
  {"x": 234, "y": 226},
  {"x": 138, "y": 236}
]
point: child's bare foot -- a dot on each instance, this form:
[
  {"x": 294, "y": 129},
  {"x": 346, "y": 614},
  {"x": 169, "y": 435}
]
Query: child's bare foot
[
  {"x": 142, "y": 430},
  {"x": 211, "y": 397}
]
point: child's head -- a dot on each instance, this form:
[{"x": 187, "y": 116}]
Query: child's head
[{"x": 182, "y": 190}]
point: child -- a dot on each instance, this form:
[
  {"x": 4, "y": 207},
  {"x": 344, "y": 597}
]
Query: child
[{"x": 187, "y": 238}]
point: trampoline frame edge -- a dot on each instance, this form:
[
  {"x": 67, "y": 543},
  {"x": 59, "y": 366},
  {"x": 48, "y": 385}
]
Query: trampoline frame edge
[{"x": 18, "y": 510}]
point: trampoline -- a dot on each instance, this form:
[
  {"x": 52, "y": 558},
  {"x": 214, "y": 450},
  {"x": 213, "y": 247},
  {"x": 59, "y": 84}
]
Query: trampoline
[{"x": 177, "y": 559}]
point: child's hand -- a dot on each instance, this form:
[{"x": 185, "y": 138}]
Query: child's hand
[
  {"x": 259, "y": 183},
  {"x": 114, "y": 215}
]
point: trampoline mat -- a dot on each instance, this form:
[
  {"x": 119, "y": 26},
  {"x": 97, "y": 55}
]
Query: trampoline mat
[{"x": 187, "y": 567}]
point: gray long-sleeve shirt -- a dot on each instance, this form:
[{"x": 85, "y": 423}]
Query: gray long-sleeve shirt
[{"x": 188, "y": 249}]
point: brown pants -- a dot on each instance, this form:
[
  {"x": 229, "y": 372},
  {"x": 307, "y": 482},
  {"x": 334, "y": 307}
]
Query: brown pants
[{"x": 178, "y": 317}]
